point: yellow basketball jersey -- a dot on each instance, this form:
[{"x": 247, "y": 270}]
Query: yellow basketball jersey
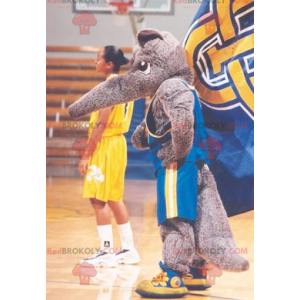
[{"x": 119, "y": 118}]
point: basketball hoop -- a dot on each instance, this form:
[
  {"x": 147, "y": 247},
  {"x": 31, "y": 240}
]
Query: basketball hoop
[
  {"x": 121, "y": 15},
  {"x": 120, "y": 12},
  {"x": 122, "y": 8}
]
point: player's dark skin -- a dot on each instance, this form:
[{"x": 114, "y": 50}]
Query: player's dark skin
[{"x": 101, "y": 208}]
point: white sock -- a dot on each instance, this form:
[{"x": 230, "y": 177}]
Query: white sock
[
  {"x": 106, "y": 236},
  {"x": 126, "y": 236}
]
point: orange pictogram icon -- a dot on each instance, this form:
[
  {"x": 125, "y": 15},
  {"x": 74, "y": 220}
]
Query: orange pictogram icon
[
  {"x": 84, "y": 20},
  {"x": 211, "y": 271},
  {"x": 85, "y": 271}
]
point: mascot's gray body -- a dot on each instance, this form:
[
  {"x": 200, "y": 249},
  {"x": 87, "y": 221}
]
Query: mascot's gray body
[{"x": 158, "y": 67}]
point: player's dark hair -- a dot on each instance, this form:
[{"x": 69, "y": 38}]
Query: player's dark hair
[{"x": 116, "y": 56}]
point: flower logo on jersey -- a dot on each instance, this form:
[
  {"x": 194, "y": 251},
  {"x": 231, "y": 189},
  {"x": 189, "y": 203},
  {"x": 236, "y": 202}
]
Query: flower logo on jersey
[{"x": 95, "y": 173}]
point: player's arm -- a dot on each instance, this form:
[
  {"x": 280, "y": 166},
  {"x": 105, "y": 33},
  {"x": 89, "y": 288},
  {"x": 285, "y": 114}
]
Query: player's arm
[
  {"x": 100, "y": 125},
  {"x": 95, "y": 137}
]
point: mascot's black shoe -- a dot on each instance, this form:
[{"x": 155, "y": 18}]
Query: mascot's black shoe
[
  {"x": 195, "y": 281},
  {"x": 167, "y": 284}
]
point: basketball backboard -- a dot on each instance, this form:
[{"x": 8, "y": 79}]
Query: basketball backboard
[{"x": 139, "y": 6}]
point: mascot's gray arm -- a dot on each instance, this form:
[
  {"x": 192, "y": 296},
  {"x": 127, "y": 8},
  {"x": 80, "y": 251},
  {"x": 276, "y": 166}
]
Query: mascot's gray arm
[
  {"x": 178, "y": 104},
  {"x": 139, "y": 139}
]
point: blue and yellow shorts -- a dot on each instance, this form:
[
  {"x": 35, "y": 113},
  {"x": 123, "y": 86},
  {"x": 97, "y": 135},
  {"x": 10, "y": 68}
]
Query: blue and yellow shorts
[{"x": 177, "y": 191}]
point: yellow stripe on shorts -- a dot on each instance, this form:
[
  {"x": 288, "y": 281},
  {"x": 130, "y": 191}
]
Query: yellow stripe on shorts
[{"x": 171, "y": 191}]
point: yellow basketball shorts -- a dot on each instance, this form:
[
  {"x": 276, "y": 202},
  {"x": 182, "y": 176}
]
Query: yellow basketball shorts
[{"x": 104, "y": 179}]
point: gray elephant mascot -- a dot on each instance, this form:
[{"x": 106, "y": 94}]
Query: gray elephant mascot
[{"x": 194, "y": 227}]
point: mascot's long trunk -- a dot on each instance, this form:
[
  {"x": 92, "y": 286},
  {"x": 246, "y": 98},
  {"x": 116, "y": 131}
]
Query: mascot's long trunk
[{"x": 120, "y": 89}]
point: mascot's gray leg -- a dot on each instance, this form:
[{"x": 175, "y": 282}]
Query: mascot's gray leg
[
  {"x": 178, "y": 244},
  {"x": 213, "y": 235}
]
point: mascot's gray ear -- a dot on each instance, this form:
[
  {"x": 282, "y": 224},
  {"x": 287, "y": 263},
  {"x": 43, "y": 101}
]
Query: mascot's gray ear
[{"x": 147, "y": 35}]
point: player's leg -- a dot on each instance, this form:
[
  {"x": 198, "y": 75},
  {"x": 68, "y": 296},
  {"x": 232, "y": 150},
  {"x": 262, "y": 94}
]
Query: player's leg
[
  {"x": 120, "y": 211},
  {"x": 102, "y": 212},
  {"x": 104, "y": 228},
  {"x": 129, "y": 254}
]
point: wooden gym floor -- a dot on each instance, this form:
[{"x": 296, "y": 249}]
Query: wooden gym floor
[{"x": 71, "y": 224}]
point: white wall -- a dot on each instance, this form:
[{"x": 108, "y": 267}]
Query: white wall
[{"x": 61, "y": 31}]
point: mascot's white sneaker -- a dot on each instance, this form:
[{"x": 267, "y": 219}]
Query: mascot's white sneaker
[
  {"x": 128, "y": 257},
  {"x": 102, "y": 259}
]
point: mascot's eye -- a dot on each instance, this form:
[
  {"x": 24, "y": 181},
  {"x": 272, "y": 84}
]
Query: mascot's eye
[{"x": 144, "y": 67}]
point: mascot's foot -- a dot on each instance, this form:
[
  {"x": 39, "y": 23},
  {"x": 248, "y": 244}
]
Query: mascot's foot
[
  {"x": 167, "y": 284},
  {"x": 195, "y": 281}
]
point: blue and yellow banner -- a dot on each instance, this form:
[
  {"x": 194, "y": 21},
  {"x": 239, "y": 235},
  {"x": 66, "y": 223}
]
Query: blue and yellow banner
[{"x": 220, "y": 48}]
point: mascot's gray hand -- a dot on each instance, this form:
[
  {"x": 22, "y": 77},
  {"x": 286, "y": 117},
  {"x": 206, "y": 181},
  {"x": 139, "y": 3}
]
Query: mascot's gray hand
[{"x": 138, "y": 139}]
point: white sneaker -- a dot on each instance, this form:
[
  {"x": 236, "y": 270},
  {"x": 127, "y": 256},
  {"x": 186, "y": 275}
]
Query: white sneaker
[
  {"x": 101, "y": 259},
  {"x": 128, "y": 257}
]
